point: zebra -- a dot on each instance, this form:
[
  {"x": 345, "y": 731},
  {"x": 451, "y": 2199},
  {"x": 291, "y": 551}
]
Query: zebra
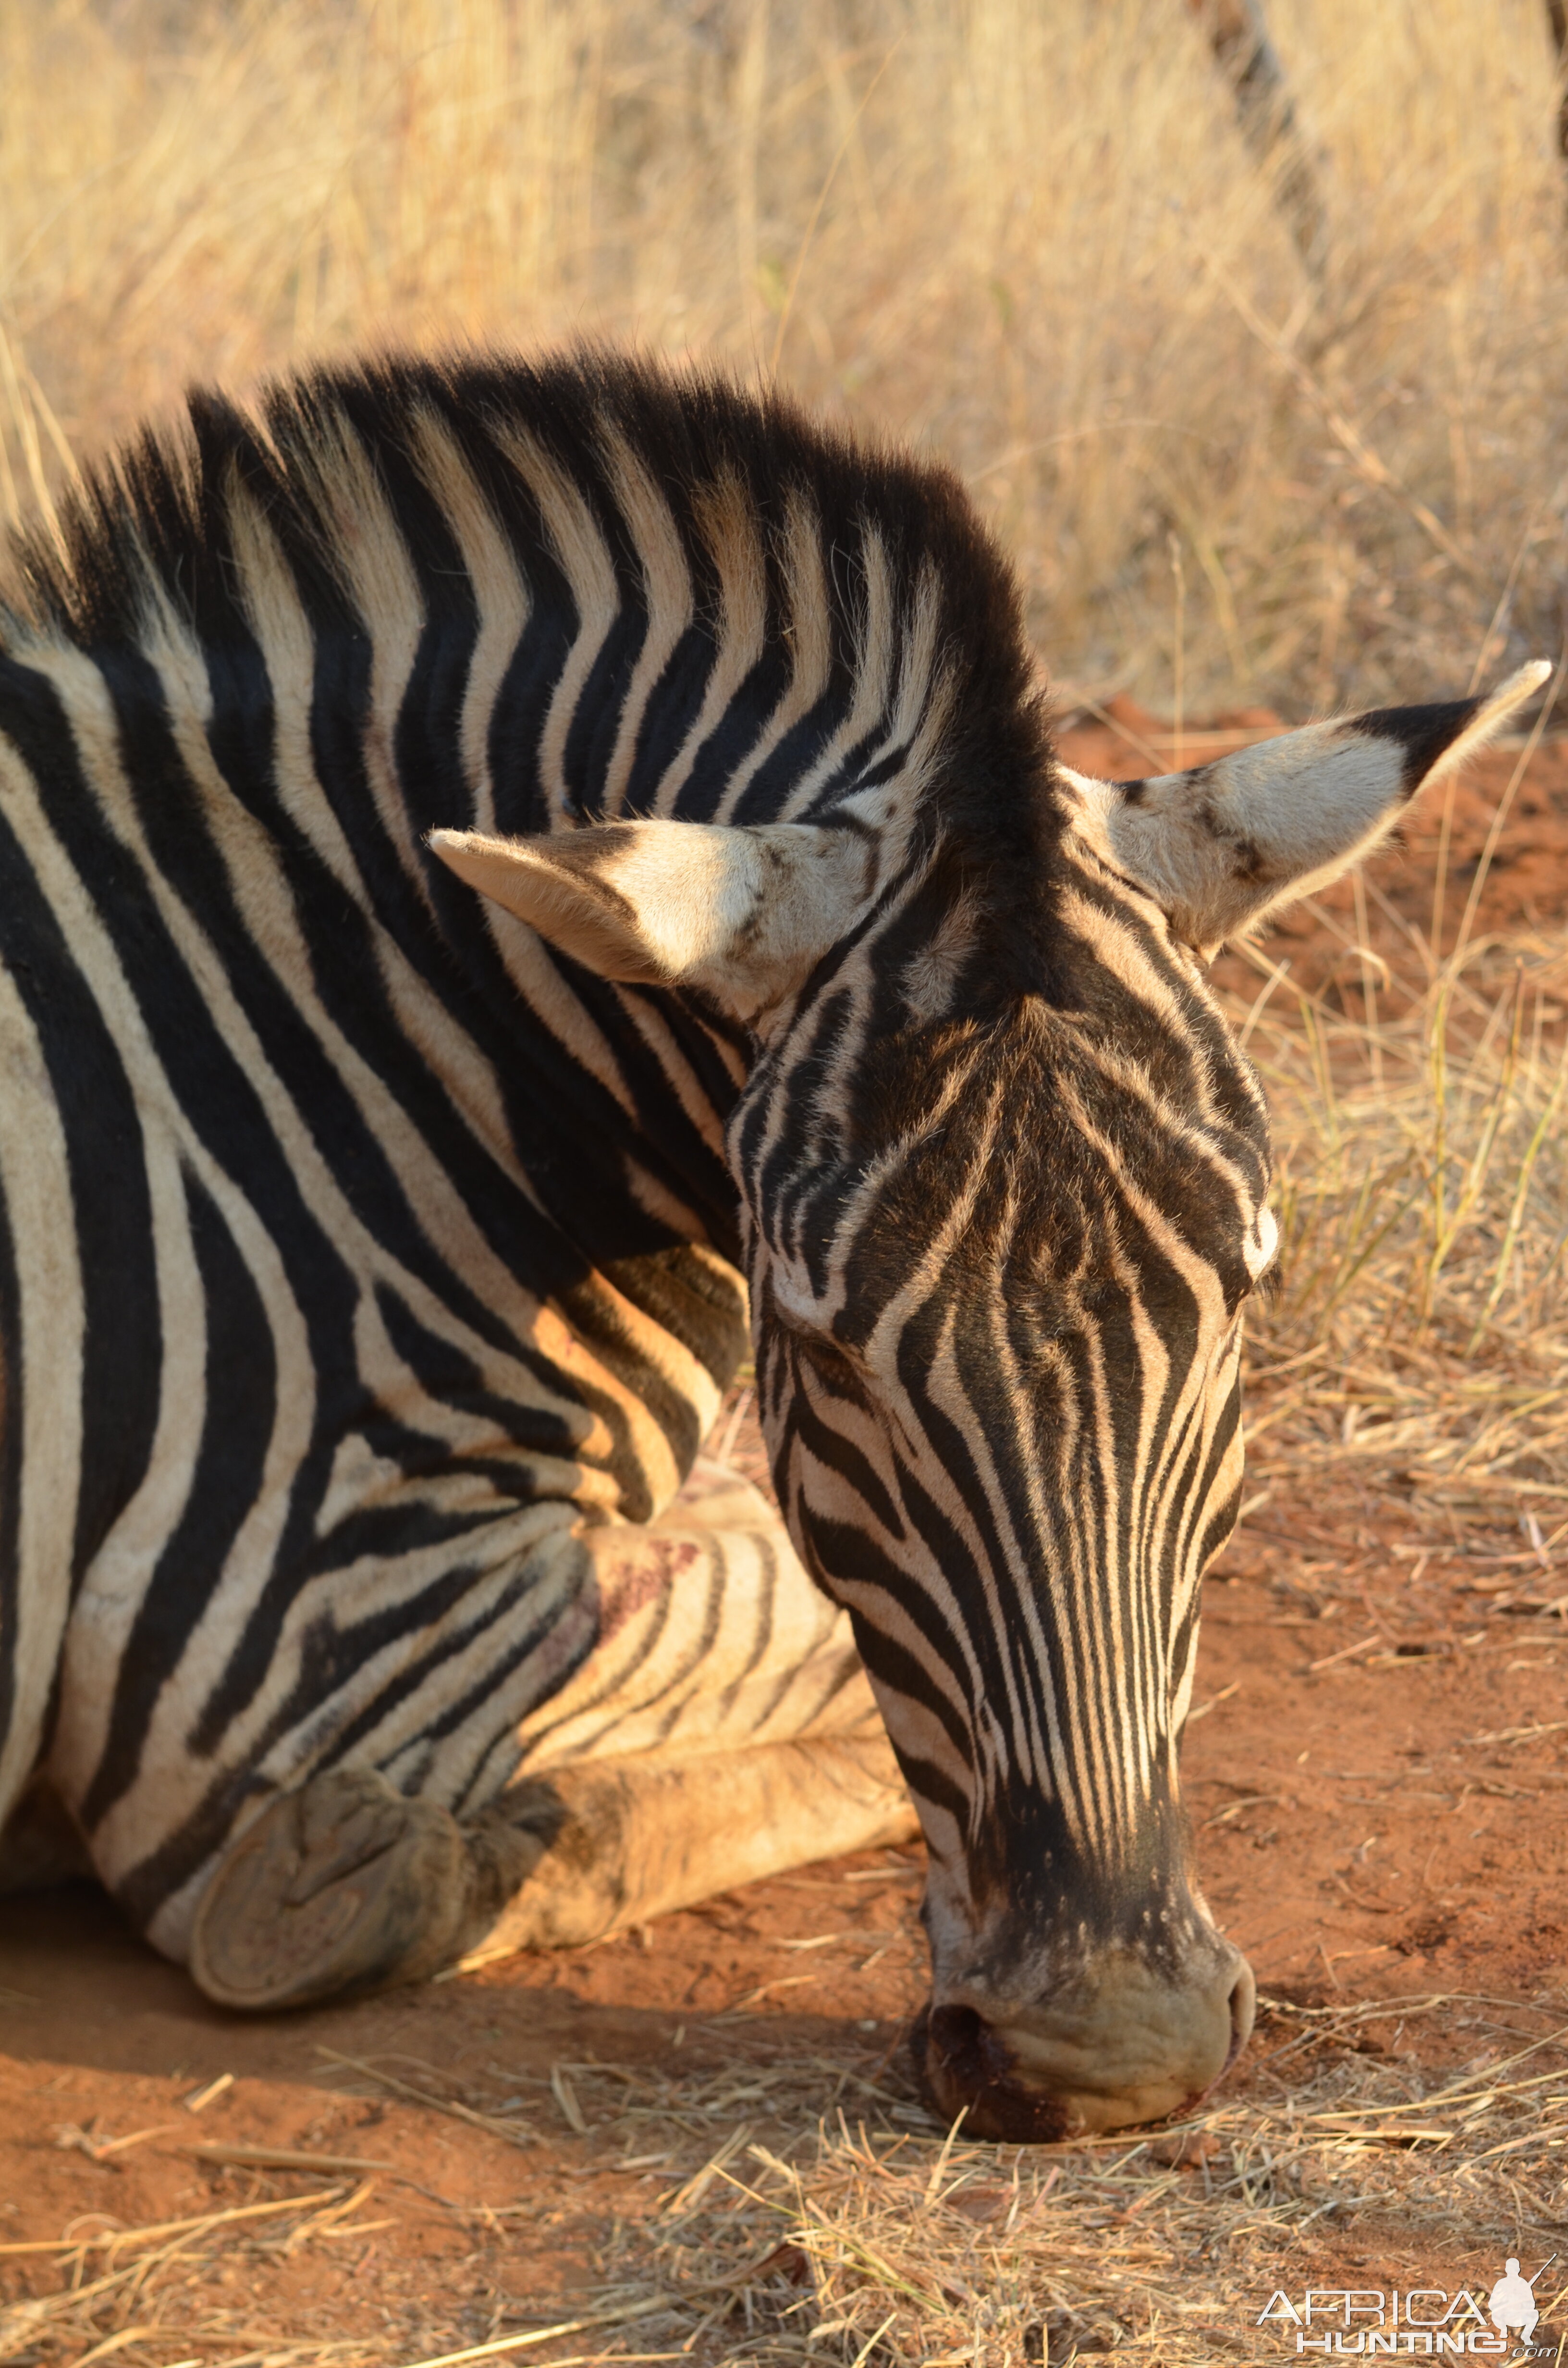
[{"x": 516, "y": 877}]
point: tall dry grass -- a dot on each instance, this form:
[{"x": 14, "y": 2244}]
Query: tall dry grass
[
  {"x": 1416, "y": 1353},
  {"x": 1025, "y": 231},
  {"x": 1417, "y": 1349}
]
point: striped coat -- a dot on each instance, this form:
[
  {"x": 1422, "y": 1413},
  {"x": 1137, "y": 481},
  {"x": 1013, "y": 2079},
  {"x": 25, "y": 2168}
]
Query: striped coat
[{"x": 358, "y": 1248}]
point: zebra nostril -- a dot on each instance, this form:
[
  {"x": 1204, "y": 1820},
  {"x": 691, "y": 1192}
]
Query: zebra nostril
[
  {"x": 965, "y": 2067},
  {"x": 953, "y": 2041}
]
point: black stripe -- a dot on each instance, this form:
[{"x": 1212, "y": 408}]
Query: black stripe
[
  {"x": 111, "y": 1211},
  {"x": 241, "y": 1392},
  {"x": 13, "y": 1403}
]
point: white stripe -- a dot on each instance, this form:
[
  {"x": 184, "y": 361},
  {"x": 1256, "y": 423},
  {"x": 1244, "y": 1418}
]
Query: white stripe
[
  {"x": 45, "y": 1393},
  {"x": 727, "y": 517},
  {"x": 580, "y": 551}
]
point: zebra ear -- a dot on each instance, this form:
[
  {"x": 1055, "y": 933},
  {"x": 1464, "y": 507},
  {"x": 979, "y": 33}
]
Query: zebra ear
[
  {"x": 744, "y": 914},
  {"x": 1221, "y": 845}
]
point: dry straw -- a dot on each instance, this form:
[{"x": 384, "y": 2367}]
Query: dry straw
[
  {"x": 848, "y": 2230},
  {"x": 1418, "y": 1340}
]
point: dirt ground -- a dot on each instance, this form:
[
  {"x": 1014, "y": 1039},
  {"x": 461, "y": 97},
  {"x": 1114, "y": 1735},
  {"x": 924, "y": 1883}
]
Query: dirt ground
[{"x": 1378, "y": 1777}]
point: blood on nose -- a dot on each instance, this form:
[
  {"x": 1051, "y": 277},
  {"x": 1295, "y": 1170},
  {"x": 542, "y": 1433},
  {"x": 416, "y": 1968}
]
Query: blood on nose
[{"x": 959, "y": 2054}]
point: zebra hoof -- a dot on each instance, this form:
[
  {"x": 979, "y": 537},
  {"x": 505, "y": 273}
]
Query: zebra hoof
[{"x": 342, "y": 1885}]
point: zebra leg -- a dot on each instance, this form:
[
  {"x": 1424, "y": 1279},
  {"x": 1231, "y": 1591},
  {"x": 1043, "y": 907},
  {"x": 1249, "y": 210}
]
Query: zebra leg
[
  {"x": 709, "y": 1637},
  {"x": 638, "y": 1838},
  {"x": 344, "y": 1884},
  {"x": 722, "y": 1730}
]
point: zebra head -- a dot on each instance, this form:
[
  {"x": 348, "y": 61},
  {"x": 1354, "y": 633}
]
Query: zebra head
[{"x": 1004, "y": 1179}]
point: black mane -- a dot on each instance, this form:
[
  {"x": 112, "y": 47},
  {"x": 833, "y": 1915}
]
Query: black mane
[{"x": 158, "y": 507}]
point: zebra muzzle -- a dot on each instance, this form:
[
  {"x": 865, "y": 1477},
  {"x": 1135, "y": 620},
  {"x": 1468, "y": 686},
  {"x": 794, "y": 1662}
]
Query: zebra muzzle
[{"x": 1129, "y": 2044}]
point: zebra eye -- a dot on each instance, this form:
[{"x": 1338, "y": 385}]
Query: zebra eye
[{"x": 827, "y": 1354}]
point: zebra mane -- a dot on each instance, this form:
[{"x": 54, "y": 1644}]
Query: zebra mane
[{"x": 726, "y": 466}]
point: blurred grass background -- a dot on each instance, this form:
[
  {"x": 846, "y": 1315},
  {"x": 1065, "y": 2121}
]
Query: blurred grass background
[{"x": 1026, "y": 234}]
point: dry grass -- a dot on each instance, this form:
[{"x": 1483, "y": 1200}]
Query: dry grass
[
  {"x": 807, "y": 2211},
  {"x": 1029, "y": 235},
  {"x": 1418, "y": 1344},
  {"x": 912, "y": 2249},
  {"x": 118, "y": 2282}
]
